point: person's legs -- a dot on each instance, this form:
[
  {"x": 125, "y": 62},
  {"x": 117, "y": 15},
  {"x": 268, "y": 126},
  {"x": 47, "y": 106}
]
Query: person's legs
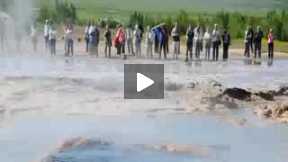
[
  {"x": 87, "y": 44},
  {"x": 165, "y": 49},
  {"x": 161, "y": 49},
  {"x": 46, "y": 39},
  {"x": 139, "y": 48},
  {"x": 52, "y": 46},
  {"x": 187, "y": 51},
  {"x": 96, "y": 50},
  {"x": 174, "y": 49},
  {"x": 251, "y": 46},
  {"x": 225, "y": 52},
  {"x": 217, "y": 52},
  {"x": 70, "y": 47},
  {"x": 260, "y": 50},
  {"x": 129, "y": 46},
  {"x": 272, "y": 51},
  {"x": 214, "y": 51},
  {"x": 123, "y": 48},
  {"x": 209, "y": 51},
  {"x": 105, "y": 49},
  {"x": 178, "y": 49},
  {"x": 109, "y": 51},
  {"x": 269, "y": 51}
]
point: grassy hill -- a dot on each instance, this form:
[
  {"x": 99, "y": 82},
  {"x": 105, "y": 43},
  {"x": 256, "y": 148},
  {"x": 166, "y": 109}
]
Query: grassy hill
[{"x": 122, "y": 8}]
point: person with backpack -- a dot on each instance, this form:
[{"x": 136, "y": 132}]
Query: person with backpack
[
  {"x": 157, "y": 34},
  {"x": 162, "y": 42},
  {"x": 137, "y": 40},
  {"x": 189, "y": 42},
  {"x": 258, "y": 42},
  {"x": 108, "y": 41},
  {"x": 226, "y": 39},
  {"x": 119, "y": 40},
  {"x": 149, "y": 42},
  {"x": 216, "y": 42},
  {"x": 270, "y": 44},
  {"x": 94, "y": 35},
  {"x": 86, "y": 36},
  {"x": 52, "y": 40},
  {"x": 175, "y": 33},
  {"x": 207, "y": 43}
]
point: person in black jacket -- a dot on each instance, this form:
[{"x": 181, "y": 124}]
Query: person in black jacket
[
  {"x": 226, "y": 43},
  {"x": 189, "y": 42},
  {"x": 258, "y": 42}
]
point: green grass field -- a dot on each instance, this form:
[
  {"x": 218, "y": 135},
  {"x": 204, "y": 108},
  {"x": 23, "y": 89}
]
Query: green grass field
[{"x": 122, "y": 8}]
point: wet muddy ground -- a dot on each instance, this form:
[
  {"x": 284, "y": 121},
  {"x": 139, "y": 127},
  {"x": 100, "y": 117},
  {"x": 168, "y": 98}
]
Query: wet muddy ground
[{"x": 72, "y": 109}]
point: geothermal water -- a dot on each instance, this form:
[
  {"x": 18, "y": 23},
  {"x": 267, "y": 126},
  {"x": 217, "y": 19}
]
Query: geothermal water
[{"x": 46, "y": 101}]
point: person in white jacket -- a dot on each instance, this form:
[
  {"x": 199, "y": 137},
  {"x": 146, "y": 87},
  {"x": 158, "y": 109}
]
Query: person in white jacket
[
  {"x": 216, "y": 42},
  {"x": 34, "y": 39},
  {"x": 137, "y": 40},
  {"x": 149, "y": 42},
  {"x": 46, "y": 34},
  {"x": 207, "y": 43},
  {"x": 52, "y": 40},
  {"x": 175, "y": 33},
  {"x": 198, "y": 38},
  {"x": 129, "y": 39}
]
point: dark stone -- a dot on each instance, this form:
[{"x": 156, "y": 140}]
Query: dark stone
[
  {"x": 238, "y": 93},
  {"x": 265, "y": 95}
]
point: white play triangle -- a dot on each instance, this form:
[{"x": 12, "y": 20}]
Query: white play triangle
[{"x": 143, "y": 82}]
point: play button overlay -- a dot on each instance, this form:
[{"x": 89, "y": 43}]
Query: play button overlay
[{"x": 143, "y": 81}]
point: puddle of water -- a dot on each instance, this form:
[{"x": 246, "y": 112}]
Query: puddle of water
[{"x": 30, "y": 138}]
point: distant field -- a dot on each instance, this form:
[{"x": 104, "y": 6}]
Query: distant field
[{"x": 122, "y": 8}]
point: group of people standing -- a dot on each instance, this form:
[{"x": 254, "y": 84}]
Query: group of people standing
[
  {"x": 253, "y": 42},
  {"x": 158, "y": 37},
  {"x": 129, "y": 41},
  {"x": 50, "y": 37},
  {"x": 207, "y": 41}
]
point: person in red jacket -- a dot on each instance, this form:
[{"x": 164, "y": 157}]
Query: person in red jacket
[{"x": 119, "y": 40}]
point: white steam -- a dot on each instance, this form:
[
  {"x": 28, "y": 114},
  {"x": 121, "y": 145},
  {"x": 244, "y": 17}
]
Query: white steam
[{"x": 20, "y": 16}]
